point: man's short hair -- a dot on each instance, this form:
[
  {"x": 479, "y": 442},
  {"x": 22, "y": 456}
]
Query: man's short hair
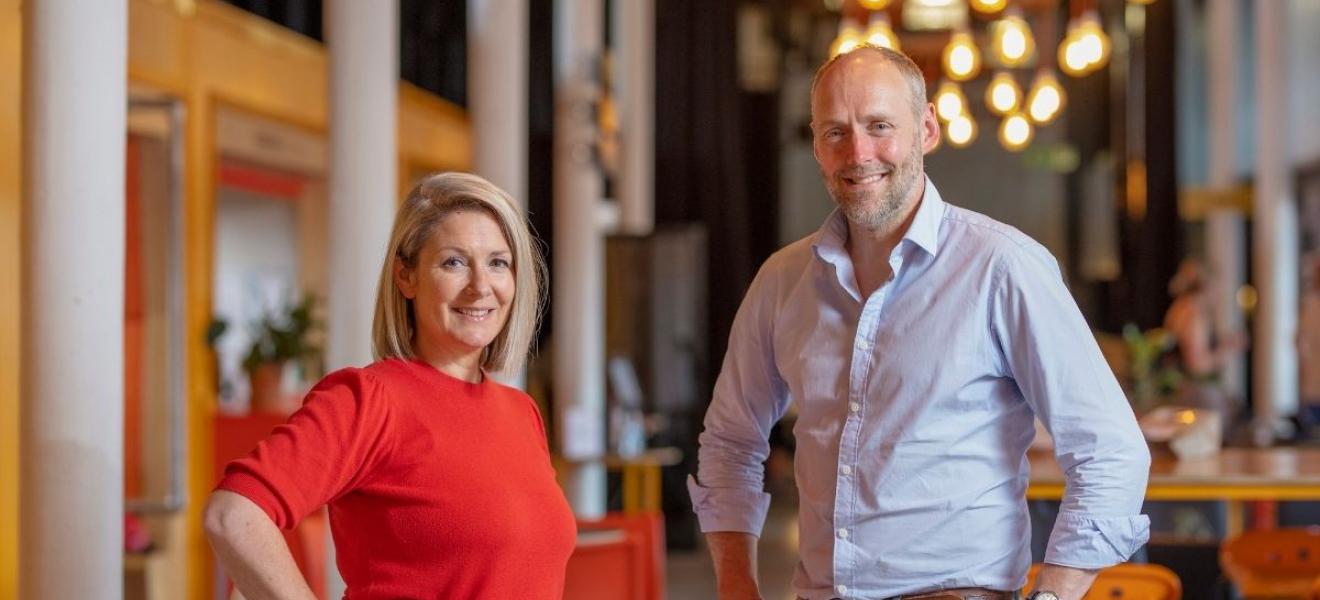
[{"x": 911, "y": 73}]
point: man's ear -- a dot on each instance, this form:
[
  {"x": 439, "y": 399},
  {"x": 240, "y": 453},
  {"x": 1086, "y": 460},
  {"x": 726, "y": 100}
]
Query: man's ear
[
  {"x": 405, "y": 279},
  {"x": 930, "y": 129}
]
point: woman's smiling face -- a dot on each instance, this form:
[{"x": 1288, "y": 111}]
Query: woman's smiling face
[{"x": 461, "y": 287}]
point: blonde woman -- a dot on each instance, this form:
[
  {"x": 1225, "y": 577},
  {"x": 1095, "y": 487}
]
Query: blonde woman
[{"x": 438, "y": 479}]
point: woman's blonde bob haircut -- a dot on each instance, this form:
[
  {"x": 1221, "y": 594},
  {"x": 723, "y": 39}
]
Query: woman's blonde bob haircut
[{"x": 427, "y": 205}]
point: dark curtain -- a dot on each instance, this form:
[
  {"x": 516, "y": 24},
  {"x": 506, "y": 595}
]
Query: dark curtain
[{"x": 700, "y": 173}]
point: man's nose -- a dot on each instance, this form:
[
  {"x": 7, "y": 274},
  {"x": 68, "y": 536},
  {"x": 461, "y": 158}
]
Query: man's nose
[{"x": 860, "y": 148}]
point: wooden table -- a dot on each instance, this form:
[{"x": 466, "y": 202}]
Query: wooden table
[
  {"x": 641, "y": 476},
  {"x": 1234, "y": 475}
]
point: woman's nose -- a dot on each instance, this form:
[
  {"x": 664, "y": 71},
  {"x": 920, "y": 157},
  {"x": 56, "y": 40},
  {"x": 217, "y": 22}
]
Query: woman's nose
[{"x": 479, "y": 284}]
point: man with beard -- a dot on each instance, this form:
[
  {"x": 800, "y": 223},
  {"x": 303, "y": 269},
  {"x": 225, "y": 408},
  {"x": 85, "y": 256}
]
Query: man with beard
[{"x": 918, "y": 341}]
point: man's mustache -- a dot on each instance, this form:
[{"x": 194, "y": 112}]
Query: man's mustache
[{"x": 861, "y": 172}]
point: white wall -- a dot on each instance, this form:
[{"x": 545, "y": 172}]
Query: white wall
[{"x": 256, "y": 271}]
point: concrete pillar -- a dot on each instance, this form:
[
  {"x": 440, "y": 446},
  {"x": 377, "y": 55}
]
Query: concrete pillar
[
  {"x": 1274, "y": 228},
  {"x": 1225, "y": 241},
  {"x": 497, "y": 92},
  {"x": 363, "y": 43},
  {"x": 634, "y": 88},
  {"x": 579, "y": 256},
  {"x": 75, "y": 103}
]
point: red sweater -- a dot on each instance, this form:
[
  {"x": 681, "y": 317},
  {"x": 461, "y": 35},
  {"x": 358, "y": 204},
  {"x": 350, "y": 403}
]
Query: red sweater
[{"x": 437, "y": 488}]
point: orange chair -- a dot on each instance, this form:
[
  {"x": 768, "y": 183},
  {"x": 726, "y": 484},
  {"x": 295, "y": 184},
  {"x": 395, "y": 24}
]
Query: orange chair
[
  {"x": 1128, "y": 581},
  {"x": 620, "y": 557},
  {"x": 1281, "y": 563}
]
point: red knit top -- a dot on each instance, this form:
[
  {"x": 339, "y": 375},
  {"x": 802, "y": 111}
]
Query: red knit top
[{"x": 437, "y": 488}]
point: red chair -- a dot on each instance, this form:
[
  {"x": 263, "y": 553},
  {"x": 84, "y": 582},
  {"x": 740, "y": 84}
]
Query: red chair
[
  {"x": 234, "y": 438},
  {"x": 620, "y": 557}
]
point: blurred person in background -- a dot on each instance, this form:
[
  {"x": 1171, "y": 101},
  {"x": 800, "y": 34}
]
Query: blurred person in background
[
  {"x": 919, "y": 341},
  {"x": 1308, "y": 350},
  {"x": 1198, "y": 352},
  {"x": 437, "y": 478}
]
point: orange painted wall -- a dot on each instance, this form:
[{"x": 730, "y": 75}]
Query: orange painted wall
[
  {"x": 10, "y": 101},
  {"x": 206, "y": 54},
  {"x": 218, "y": 55}
]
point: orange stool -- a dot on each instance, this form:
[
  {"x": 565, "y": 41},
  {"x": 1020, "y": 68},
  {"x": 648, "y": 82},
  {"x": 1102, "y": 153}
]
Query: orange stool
[{"x": 1283, "y": 563}]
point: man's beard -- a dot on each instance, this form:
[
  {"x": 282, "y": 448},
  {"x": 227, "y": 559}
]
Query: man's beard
[{"x": 873, "y": 209}]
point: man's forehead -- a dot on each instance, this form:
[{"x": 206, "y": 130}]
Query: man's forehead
[
  {"x": 863, "y": 60},
  {"x": 869, "y": 84}
]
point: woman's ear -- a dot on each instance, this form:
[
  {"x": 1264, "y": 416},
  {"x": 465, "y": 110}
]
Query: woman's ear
[{"x": 405, "y": 279}]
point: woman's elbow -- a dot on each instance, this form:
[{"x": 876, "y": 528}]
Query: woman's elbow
[{"x": 223, "y": 516}]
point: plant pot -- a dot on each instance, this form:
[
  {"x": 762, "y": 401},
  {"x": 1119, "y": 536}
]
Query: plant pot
[{"x": 267, "y": 393}]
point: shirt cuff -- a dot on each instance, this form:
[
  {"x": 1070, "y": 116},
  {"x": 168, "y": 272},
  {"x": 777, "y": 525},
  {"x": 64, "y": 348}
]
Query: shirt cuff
[
  {"x": 728, "y": 509},
  {"x": 1089, "y": 543}
]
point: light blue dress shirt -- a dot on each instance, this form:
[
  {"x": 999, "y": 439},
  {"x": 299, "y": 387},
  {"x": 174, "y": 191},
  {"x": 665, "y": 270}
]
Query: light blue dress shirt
[{"x": 915, "y": 409}]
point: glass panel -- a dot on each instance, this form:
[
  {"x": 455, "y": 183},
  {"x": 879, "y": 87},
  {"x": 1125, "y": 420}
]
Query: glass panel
[{"x": 153, "y": 308}]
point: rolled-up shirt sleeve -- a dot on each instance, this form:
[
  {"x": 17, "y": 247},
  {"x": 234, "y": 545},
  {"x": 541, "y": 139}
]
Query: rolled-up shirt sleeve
[
  {"x": 1058, "y": 367},
  {"x": 728, "y": 493}
]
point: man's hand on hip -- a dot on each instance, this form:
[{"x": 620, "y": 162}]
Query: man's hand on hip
[
  {"x": 734, "y": 554},
  {"x": 1068, "y": 583}
]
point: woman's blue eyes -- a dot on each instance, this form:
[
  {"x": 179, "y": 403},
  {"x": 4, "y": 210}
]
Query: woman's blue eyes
[{"x": 457, "y": 261}]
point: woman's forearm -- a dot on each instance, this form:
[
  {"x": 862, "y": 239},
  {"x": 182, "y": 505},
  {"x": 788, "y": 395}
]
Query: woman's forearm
[{"x": 252, "y": 550}]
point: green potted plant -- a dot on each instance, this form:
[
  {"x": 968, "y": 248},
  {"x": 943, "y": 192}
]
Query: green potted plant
[
  {"x": 279, "y": 339},
  {"x": 1153, "y": 381}
]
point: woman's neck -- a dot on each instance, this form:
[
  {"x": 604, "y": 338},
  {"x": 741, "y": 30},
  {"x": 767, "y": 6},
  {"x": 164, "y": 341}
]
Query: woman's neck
[{"x": 457, "y": 363}]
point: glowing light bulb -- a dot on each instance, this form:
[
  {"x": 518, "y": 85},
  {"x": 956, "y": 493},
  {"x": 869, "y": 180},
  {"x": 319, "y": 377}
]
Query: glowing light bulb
[
  {"x": 1093, "y": 41},
  {"x": 961, "y": 131},
  {"x": 988, "y": 7},
  {"x": 1085, "y": 48},
  {"x": 1013, "y": 43},
  {"x": 950, "y": 101},
  {"x": 879, "y": 33},
  {"x": 1072, "y": 57},
  {"x": 962, "y": 61},
  {"x": 874, "y": 4},
  {"x": 1003, "y": 96},
  {"x": 1015, "y": 132},
  {"x": 849, "y": 38},
  {"x": 1096, "y": 46},
  {"x": 1045, "y": 100}
]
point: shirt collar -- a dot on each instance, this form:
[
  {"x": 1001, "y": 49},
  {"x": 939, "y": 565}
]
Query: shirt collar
[
  {"x": 925, "y": 228},
  {"x": 832, "y": 237}
]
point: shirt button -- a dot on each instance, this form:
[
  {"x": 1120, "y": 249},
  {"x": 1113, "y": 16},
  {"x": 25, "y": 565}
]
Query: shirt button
[
  {"x": 847, "y": 470},
  {"x": 843, "y": 533},
  {"x": 853, "y": 406},
  {"x": 843, "y": 589}
]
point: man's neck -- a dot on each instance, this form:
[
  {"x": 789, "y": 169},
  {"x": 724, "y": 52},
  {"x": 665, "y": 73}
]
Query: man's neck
[{"x": 869, "y": 248}]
